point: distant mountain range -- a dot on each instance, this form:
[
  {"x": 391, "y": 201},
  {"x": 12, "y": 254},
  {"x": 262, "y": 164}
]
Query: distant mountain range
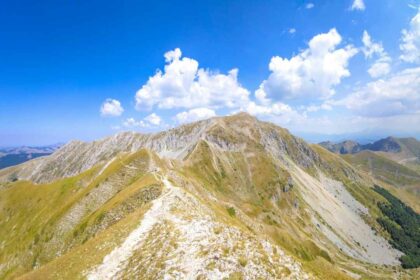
[
  {"x": 389, "y": 144},
  {"x": 16, "y": 155}
]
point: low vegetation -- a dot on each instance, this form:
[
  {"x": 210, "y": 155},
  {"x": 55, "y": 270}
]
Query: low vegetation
[
  {"x": 231, "y": 211},
  {"x": 403, "y": 224}
]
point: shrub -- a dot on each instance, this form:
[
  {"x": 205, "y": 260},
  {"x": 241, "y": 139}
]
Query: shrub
[
  {"x": 242, "y": 261},
  {"x": 231, "y": 211}
]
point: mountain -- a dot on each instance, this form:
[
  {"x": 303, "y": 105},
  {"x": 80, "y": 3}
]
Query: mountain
[
  {"x": 228, "y": 197},
  {"x": 408, "y": 155},
  {"x": 389, "y": 144},
  {"x": 345, "y": 147},
  {"x": 17, "y": 155}
]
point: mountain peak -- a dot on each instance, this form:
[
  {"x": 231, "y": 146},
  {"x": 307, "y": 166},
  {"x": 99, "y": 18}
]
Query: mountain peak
[
  {"x": 243, "y": 114},
  {"x": 235, "y": 133}
]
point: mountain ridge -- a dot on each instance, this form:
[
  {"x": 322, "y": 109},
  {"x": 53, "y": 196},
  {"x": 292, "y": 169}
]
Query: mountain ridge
[
  {"x": 174, "y": 143},
  {"x": 302, "y": 211},
  {"x": 388, "y": 144}
]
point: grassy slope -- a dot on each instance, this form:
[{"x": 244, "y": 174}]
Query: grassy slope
[
  {"x": 397, "y": 178},
  {"x": 289, "y": 227},
  {"x": 249, "y": 185},
  {"x": 29, "y": 214},
  {"x": 253, "y": 184}
]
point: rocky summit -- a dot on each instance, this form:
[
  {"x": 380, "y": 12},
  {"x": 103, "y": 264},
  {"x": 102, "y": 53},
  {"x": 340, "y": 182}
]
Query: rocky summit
[{"x": 223, "y": 198}]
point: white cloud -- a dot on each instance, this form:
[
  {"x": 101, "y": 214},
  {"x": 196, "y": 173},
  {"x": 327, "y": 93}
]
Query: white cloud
[
  {"x": 412, "y": 6},
  {"x": 183, "y": 85},
  {"x": 131, "y": 122},
  {"x": 111, "y": 107},
  {"x": 312, "y": 73},
  {"x": 284, "y": 115},
  {"x": 397, "y": 95},
  {"x": 381, "y": 66},
  {"x": 153, "y": 119},
  {"x": 379, "y": 69},
  {"x": 358, "y": 5},
  {"x": 292, "y": 30},
  {"x": 148, "y": 121},
  {"x": 315, "y": 108},
  {"x": 369, "y": 47},
  {"x": 410, "y": 45},
  {"x": 309, "y": 6},
  {"x": 194, "y": 115},
  {"x": 277, "y": 109}
]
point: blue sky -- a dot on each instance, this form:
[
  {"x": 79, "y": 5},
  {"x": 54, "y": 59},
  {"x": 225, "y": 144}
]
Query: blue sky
[{"x": 322, "y": 69}]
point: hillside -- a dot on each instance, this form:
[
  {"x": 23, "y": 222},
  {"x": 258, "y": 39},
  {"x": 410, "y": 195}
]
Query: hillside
[
  {"x": 404, "y": 181},
  {"x": 393, "y": 161},
  {"x": 228, "y": 197}
]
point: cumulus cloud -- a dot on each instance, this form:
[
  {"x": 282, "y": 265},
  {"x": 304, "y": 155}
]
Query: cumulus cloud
[
  {"x": 397, "y": 95},
  {"x": 358, "y": 5},
  {"x": 308, "y": 80},
  {"x": 312, "y": 73},
  {"x": 149, "y": 121},
  {"x": 277, "y": 108},
  {"x": 111, "y": 107},
  {"x": 153, "y": 119},
  {"x": 131, "y": 122},
  {"x": 410, "y": 41},
  {"x": 370, "y": 49},
  {"x": 292, "y": 30},
  {"x": 195, "y": 115},
  {"x": 183, "y": 84},
  {"x": 278, "y": 112},
  {"x": 379, "y": 68}
]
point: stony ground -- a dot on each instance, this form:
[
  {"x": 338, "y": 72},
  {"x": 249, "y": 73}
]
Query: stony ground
[{"x": 180, "y": 238}]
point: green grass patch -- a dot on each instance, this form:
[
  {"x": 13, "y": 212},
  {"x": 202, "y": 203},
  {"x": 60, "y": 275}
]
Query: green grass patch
[{"x": 231, "y": 211}]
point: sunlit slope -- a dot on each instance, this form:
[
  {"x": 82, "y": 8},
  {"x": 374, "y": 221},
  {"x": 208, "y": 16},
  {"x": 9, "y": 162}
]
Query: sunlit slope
[
  {"x": 227, "y": 197},
  {"x": 41, "y": 222}
]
